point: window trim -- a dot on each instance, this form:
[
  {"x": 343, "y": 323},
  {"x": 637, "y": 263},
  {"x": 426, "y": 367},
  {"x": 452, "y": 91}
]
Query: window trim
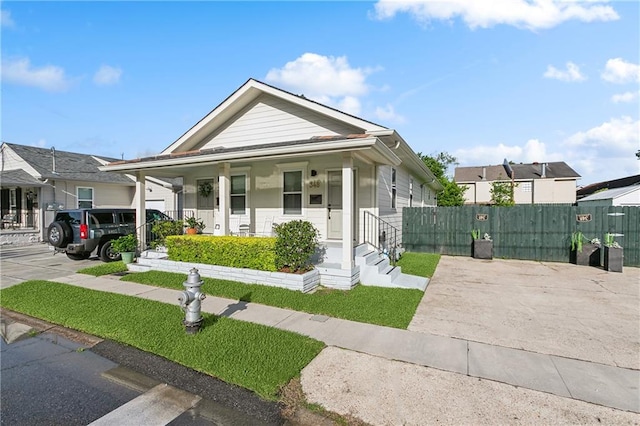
[
  {"x": 245, "y": 195},
  {"x": 394, "y": 188},
  {"x": 79, "y": 200},
  {"x": 301, "y": 192}
]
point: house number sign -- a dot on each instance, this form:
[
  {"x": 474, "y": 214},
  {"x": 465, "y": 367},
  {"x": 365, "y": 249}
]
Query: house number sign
[
  {"x": 314, "y": 184},
  {"x": 482, "y": 217},
  {"x": 583, "y": 217}
]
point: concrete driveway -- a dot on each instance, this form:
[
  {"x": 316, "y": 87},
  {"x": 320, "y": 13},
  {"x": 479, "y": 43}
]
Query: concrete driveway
[
  {"x": 552, "y": 308},
  {"x": 36, "y": 262}
]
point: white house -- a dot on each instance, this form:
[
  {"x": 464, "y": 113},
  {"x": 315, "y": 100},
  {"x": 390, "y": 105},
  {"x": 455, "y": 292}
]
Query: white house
[
  {"x": 625, "y": 196},
  {"x": 35, "y": 182},
  {"x": 266, "y": 156}
]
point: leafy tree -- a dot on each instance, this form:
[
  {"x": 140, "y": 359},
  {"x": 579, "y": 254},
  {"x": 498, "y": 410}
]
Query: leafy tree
[
  {"x": 452, "y": 194},
  {"x": 502, "y": 193}
]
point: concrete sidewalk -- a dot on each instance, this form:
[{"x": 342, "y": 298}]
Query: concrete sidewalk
[{"x": 587, "y": 381}]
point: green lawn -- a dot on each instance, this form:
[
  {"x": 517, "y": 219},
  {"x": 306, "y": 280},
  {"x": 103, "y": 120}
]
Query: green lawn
[
  {"x": 104, "y": 269},
  {"x": 392, "y": 307},
  {"x": 421, "y": 264},
  {"x": 253, "y": 356}
]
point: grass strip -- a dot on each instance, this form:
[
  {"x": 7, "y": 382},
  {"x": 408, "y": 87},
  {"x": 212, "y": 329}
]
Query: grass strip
[
  {"x": 392, "y": 307},
  {"x": 420, "y": 264},
  {"x": 104, "y": 269},
  {"x": 253, "y": 356}
]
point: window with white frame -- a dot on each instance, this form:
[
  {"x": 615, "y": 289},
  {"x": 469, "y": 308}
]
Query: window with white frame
[
  {"x": 411, "y": 192},
  {"x": 292, "y": 192},
  {"x": 238, "y": 194},
  {"x": 525, "y": 186},
  {"x": 13, "y": 200},
  {"x": 85, "y": 197},
  {"x": 393, "y": 188}
]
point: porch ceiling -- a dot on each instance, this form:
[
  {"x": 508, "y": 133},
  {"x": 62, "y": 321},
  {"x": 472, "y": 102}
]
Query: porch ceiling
[{"x": 368, "y": 148}]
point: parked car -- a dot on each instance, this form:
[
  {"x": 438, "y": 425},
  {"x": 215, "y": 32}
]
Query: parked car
[{"x": 81, "y": 232}]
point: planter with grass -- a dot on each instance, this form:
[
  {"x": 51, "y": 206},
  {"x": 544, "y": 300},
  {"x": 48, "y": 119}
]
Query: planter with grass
[
  {"x": 482, "y": 247},
  {"x": 584, "y": 253},
  {"x": 613, "y": 254},
  {"x": 126, "y": 246}
]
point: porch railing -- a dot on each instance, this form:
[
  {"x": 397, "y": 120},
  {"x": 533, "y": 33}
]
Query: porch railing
[
  {"x": 20, "y": 220},
  {"x": 382, "y": 235}
]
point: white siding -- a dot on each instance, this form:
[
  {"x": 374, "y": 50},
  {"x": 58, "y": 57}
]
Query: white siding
[
  {"x": 269, "y": 120},
  {"x": 12, "y": 161},
  {"x": 264, "y": 201}
]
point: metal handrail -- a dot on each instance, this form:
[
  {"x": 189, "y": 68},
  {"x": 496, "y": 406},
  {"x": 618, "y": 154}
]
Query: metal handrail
[{"x": 382, "y": 235}]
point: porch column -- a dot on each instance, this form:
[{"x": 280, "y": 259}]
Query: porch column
[
  {"x": 224, "y": 188},
  {"x": 347, "y": 211},
  {"x": 141, "y": 214}
]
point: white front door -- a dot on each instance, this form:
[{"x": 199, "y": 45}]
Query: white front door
[{"x": 334, "y": 204}]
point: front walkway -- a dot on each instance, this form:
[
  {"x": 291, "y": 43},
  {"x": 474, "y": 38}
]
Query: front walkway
[{"x": 587, "y": 381}]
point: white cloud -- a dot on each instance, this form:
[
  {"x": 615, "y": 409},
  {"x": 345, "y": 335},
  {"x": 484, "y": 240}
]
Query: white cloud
[
  {"x": 601, "y": 153},
  {"x": 387, "y": 114},
  {"x": 5, "y": 19},
  {"x": 528, "y": 14},
  {"x": 616, "y": 135},
  {"x": 532, "y": 151},
  {"x": 572, "y": 73},
  {"x": 49, "y": 77},
  {"x": 620, "y": 71},
  {"x": 41, "y": 143},
  {"x": 107, "y": 75},
  {"x": 325, "y": 79},
  {"x": 624, "y": 97}
]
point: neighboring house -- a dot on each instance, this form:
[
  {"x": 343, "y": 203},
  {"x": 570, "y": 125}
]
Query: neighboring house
[
  {"x": 536, "y": 183},
  {"x": 609, "y": 184},
  {"x": 35, "y": 182},
  {"x": 625, "y": 196},
  {"x": 266, "y": 156}
]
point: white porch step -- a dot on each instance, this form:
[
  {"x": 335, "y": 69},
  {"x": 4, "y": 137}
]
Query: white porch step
[{"x": 376, "y": 270}]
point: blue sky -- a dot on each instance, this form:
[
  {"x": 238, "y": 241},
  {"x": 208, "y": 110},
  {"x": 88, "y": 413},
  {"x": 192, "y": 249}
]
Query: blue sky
[{"x": 533, "y": 80}]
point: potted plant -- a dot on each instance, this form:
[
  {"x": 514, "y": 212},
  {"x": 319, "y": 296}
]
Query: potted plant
[
  {"x": 613, "y": 254},
  {"x": 194, "y": 226},
  {"x": 482, "y": 247},
  {"x": 584, "y": 251},
  {"x": 126, "y": 246}
]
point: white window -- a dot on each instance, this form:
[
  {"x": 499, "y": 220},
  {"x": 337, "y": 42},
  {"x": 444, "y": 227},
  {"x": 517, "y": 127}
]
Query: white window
[
  {"x": 85, "y": 198},
  {"x": 411, "y": 192},
  {"x": 525, "y": 186},
  {"x": 292, "y": 192},
  {"x": 238, "y": 194},
  {"x": 13, "y": 204},
  {"x": 393, "y": 188}
]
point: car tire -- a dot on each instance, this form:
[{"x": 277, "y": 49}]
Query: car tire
[
  {"x": 59, "y": 234},
  {"x": 78, "y": 256},
  {"x": 107, "y": 254}
]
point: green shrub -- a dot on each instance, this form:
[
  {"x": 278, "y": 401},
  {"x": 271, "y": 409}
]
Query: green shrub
[
  {"x": 125, "y": 244},
  {"x": 296, "y": 242},
  {"x": 161, "y": 229},
  {"x": 235, "y": 252}
]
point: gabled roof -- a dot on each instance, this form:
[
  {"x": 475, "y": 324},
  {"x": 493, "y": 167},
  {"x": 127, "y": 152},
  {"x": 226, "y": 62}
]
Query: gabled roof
[
  {"x": 246, "y": 94},
  {"x": 610, "y": 194},
  {"x": 609, "y": 184},
  {"x": 68, "y": 165},
  {"x": 553, "y": 170}
]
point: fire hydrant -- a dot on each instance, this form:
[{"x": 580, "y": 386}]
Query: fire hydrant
[{"x": 190, "y": 302}]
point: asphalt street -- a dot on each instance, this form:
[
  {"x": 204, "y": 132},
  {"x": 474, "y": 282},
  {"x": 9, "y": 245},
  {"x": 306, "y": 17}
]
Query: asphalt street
[{"x": 48, "y": 379}]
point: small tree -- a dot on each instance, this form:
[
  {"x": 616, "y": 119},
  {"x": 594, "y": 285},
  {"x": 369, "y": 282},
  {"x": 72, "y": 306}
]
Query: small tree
[
  {"x": 502, "y": 193},
  {"x": 452, "y": 194}
]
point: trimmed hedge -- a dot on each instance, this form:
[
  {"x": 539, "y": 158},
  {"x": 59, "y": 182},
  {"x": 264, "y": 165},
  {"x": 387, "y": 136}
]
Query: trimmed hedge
[{"x": 234, "y": 252}]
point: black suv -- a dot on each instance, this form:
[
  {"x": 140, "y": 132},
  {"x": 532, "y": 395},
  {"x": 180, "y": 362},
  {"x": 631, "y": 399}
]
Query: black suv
[{"x": 80, "y": 232}]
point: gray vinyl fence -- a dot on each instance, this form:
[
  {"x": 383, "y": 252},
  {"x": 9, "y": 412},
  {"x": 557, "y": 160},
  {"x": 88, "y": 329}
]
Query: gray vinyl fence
[{"x": 530, "y": 232}]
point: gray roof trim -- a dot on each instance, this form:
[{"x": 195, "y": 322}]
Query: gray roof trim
[{"x": 610, "y": 194}]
